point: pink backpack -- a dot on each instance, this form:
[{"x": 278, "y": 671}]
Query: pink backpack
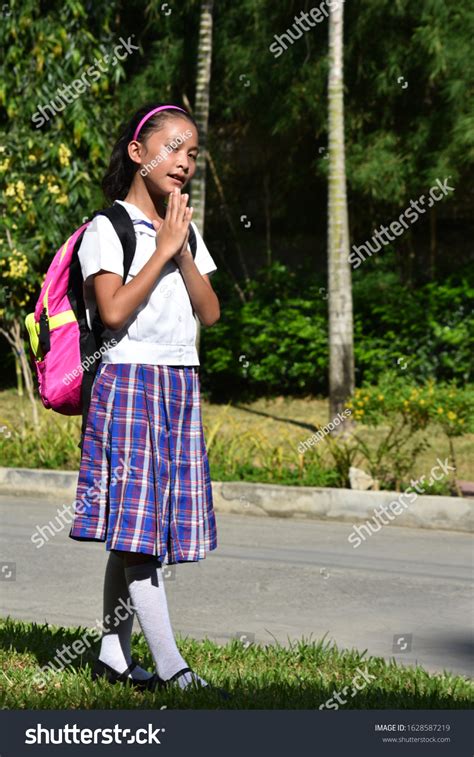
[{"x": 65, "y": 352}]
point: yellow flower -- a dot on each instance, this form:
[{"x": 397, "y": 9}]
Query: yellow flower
[
  {"x": 42, "y": 178},
  {"x": 422, "y": 402},
  {"x": 366, "y": 398},
  {"x": 18, "y": 265},
  {"x": 440, "y": 410},
  {"x": 53, "y": 189},
  {"x": 10, "y": 191},
  {"x": 62, "y": 200},
  {"x": 360, "y": 402},
  {"x": 5, "y": 165},
  {"x": 32, "y": 157},
  {"x": 380, "y": 397},
  {"x": 461, "y": 421},
  {"x": 64, "y": 153},
  {"x": 349, "y": 404},
  {"x": 452, "y": 416}
]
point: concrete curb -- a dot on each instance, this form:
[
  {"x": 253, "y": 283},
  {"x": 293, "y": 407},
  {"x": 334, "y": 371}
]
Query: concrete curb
[{"x": 347, "y": 505}]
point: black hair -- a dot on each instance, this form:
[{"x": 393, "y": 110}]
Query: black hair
[{"x": 119, "y": 175}]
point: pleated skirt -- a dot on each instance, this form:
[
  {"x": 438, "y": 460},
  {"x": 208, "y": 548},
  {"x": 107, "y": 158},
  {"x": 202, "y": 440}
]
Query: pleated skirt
[{"x": 144, "y": 483}]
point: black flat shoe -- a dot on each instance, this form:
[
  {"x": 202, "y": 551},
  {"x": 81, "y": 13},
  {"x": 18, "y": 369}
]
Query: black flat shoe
[
  {"x": 160, "y": 683},
  {"x": 101, "y": 669}
]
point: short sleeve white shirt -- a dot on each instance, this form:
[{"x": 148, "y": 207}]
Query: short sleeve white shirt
[{"x": 162, "y": 330}]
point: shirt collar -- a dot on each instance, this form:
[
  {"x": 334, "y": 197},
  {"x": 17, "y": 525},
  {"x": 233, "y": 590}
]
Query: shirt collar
[{"x": 137, "y": 215}]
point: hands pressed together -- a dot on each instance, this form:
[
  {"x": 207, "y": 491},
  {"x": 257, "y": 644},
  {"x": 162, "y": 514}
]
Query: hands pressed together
[{"x": 172, "y": 234}]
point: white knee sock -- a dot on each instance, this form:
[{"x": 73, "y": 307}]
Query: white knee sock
[
  {"x": 115, "y": 644},
  {"x": 146, "y": 587}
]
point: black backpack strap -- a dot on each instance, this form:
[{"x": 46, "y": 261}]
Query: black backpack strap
[
  {"x": 192, "y": 240},
  {"x": 125, "y": 230}
]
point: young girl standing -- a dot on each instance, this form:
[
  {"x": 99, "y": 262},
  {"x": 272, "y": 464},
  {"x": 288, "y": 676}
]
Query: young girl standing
[{"x": 144, "y": 422}]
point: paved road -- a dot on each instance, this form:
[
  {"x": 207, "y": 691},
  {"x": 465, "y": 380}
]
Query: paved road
[{"x": 269, "y": 579}]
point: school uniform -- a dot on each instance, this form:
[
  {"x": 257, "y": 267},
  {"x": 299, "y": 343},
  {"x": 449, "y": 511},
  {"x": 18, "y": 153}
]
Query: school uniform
[{"x": 144, "y": 483}]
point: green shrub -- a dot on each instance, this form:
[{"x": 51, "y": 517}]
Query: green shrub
[{"x": 276, "y": 342}]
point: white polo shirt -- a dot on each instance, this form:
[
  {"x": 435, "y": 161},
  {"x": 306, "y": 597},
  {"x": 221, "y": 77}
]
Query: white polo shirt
[{"x": 162, "y": 330}]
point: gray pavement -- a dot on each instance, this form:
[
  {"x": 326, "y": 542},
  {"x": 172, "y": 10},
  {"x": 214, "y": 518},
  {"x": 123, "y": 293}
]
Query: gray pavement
[{"x": 404, "y": 593}]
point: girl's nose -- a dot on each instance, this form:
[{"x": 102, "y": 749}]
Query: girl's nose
[{"x": 183, "y": 163}]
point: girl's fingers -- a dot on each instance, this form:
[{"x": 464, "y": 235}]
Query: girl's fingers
[
  {"x": 184, "y": 202},
  {"x": 176, "y": 205},
  {"x": 170, "y": 208}
]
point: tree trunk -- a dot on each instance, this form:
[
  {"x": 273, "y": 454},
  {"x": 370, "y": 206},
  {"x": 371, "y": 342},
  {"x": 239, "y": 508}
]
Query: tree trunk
[
  {"x": 268, "y": 224},
  {"x": 341, "y": 337},
  {"x": 433, "y": 244},
  {"x": 14, "y": 339},
  {"x": 201, "y": 114}
]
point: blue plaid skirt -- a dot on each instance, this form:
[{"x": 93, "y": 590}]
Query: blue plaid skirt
[{"x": 144, "y": 483}]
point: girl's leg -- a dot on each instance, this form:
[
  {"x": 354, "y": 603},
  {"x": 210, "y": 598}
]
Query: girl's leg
[
  {"x": 146, "y": 586},
  {"x": 118, "y": 619}
]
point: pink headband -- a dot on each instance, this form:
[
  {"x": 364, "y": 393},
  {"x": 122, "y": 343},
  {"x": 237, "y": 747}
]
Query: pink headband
[{"x": 152, "y": 113}]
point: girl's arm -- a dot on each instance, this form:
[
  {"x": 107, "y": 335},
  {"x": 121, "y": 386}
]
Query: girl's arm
[
  {"x": 203, "y": 298},
  {"x": 117, "y": 301}
]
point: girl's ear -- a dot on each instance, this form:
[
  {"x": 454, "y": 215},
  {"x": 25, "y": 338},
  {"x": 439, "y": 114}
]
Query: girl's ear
[{"x": 135, "y": 150}]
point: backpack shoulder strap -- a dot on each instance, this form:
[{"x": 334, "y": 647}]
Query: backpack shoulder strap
[
  {"x": 192, "y": 240},
  {"x": 123, "y": 225}
]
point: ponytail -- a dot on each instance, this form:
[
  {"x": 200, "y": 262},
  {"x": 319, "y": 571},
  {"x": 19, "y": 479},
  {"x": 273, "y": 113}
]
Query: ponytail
[{"x": 119, "y": 175}]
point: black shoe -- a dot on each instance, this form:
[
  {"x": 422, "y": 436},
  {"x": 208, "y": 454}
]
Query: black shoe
[
  {"x": 162, "y": 684},
  {"x": 101, "y": 669}
]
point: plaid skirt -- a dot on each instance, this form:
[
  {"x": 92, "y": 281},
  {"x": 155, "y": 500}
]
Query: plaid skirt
[{"x": 144, "y": 483}]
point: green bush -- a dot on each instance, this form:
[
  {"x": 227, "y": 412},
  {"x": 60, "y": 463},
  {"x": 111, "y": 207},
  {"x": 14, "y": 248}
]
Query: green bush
[
  {"x": 404, "y": 410},
  {"x": 276, "y": 342}
]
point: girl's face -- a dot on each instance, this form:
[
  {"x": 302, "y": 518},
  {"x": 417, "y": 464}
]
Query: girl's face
[{"x": 168, "y": 156}]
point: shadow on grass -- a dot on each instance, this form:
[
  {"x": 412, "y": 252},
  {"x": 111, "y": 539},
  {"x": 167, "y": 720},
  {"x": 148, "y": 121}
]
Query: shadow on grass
[
  {"x": 388, "y": 687},
  {"x": 290, "y": 421}
]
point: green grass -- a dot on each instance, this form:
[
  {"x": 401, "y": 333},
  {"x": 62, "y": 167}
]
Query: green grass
[
  {"x": 254, "y": 441},
  {"x": 301, "y": 676}
]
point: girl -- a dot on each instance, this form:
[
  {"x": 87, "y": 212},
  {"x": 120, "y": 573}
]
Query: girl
[{"x": 144, "y": 421}]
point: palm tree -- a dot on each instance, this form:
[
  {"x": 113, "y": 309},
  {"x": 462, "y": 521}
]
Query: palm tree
[
  {"x": 341, "y": 338},
  {"x": 201, "y": 114}
]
